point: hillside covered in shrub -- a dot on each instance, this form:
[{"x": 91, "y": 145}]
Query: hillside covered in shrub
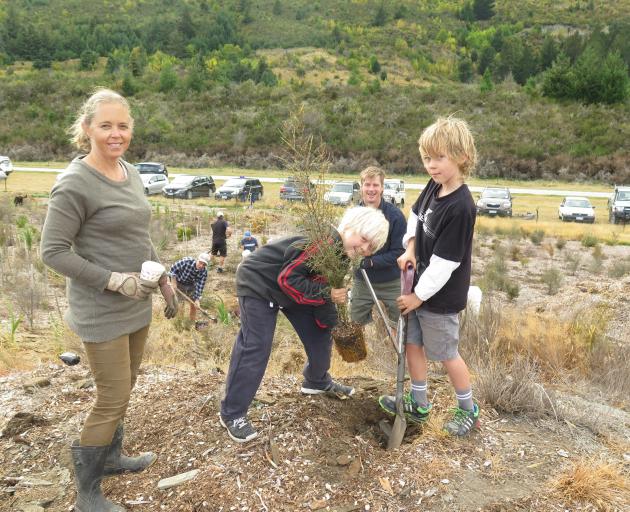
[{"x": 544, "y": 84}]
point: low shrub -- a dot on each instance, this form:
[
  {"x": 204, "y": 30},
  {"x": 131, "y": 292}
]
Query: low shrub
[
  {"x": 184, "y": 233},
  {"x": 552, "y": 277},
  {"x": 537, "y": 236},
  {"x": 589, "y": 240}
]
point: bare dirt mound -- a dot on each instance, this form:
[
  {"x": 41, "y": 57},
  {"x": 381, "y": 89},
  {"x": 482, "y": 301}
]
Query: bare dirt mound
[{"x": 313, "y": 453}]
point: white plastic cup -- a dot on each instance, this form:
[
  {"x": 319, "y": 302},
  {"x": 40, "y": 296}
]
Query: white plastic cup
[{"x": 152, "y": 271}]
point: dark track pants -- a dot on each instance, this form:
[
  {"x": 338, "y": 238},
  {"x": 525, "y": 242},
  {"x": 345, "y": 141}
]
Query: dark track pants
[{"x": 252, "y": 349}]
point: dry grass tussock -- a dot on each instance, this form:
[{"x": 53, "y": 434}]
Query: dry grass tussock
[
  {"x": 518, "y": 228},
  {"x": 602, "y": 485},
  {"x": 517, "y": 356}
]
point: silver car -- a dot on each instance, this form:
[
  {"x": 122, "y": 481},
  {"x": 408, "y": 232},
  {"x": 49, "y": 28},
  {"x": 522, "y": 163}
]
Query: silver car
[
  {"x": 153, "y": 183},
  {"x": 495, "y": 201},
  {"x": 344, "y": 193}
]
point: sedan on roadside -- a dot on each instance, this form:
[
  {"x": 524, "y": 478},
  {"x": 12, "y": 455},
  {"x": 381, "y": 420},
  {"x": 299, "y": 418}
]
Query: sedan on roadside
[
  {"x": 294, "y": 190},
  {"x": 152, "y": 168},
  {"x": 578, "y": 209},
  {"x": 187, "y": 186},
  {"x": 153, "y": 183}
]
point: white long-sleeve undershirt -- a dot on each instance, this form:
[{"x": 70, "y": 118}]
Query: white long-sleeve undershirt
[
  {"x": 412, "y": 224},
  {"x": 434, "y": 277}
]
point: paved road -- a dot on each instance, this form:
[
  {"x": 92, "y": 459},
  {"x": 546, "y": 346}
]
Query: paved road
[{"x": 408, "y": 185}]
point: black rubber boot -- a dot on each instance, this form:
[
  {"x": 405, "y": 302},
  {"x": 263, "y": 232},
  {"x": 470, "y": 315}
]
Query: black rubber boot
[
  {"x": 117, "y": 463},
  {"x": 89, "y": 462}
]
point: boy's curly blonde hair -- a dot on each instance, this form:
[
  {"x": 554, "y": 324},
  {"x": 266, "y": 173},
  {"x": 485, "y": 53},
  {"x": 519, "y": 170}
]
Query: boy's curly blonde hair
[{"x": 452, "y": 137}]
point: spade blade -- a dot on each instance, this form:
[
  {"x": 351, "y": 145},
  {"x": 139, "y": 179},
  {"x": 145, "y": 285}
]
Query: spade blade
[{"x": 397, "y": 434}]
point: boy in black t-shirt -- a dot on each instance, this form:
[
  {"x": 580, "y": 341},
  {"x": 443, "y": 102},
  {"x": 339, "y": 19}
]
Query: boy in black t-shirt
[{"x": 439, "y": 243}]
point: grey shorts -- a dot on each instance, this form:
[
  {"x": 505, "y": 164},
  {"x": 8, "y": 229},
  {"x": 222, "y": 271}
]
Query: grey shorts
[
  {"x": 438, "y": 333},
  {"x": 362, "y": 302},
  {"x": 186, "y": 289}
]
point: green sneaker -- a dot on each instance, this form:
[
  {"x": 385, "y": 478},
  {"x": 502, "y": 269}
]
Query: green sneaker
[
  {"x": 462, "y": 421},
  {"x": 413, "y": 412}
]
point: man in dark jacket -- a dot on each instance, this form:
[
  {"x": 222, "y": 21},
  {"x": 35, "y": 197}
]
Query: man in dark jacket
[
  {"x": 220, "y": 233},
  {"x": 381, "y": 267},
  {"x": 279, "y": 276}
]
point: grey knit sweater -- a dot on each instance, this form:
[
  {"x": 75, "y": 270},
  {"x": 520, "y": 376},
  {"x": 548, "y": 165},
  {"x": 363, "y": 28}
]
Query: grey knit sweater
[{"x": 96, "y": 226}]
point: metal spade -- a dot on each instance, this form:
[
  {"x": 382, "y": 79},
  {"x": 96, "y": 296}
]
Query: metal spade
[{"x": 396, "y": 433}]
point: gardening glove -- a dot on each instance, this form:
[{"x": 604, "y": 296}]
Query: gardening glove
[
  {"x": 170, "y": 297},
  {"x": 130, "y": 285}
]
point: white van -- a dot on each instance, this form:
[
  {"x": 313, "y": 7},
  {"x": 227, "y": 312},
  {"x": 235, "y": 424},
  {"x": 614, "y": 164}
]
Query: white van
[{"x": 394, "y": 192}]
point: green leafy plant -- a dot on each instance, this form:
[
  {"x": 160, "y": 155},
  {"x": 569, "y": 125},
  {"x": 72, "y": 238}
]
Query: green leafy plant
[
  {"x": 184, "y": 233},
  {"x": 223, "y": 315},
  {"x": 21, "y": 221},
  {"x": 13, "y": 325}
]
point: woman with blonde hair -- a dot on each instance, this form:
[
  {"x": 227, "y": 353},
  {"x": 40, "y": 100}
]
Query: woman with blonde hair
[{"x": 96, "y": 234}]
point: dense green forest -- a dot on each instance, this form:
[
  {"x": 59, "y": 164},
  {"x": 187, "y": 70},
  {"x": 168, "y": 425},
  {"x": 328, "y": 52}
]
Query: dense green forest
[{"x": 544, "y": 84}]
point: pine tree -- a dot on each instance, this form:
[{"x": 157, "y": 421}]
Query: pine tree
[
  {"x": 137, "y": 61},
  {"x": 615, "y": 79},
  {"x": 486, "y": 59},
  {"x": 168, "y": 79},
  {"x": 374, "y": 65},
  {"x": 128, "y": 87},
  {"x": 87, "y": 60},
  {"x": 483, "y": 9},
  {"x": 380, "y": 17},
  {"x": 548, "y": 53},
  {"x": 559, "y": 80},
  {"x": 465, "y": 70},
  {"x": 486, "y": 84}
]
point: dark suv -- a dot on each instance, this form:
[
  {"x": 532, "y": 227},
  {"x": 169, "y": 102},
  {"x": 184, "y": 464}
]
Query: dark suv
[
  {"x": 241, "y": 189},
  {"x": 619, "y": 206},
  {"x": 187, "y": 187},
  {"x": 293, "y": 190},
  {"x": 152, "y": 168},
  {"x": 495, "y": 201}
]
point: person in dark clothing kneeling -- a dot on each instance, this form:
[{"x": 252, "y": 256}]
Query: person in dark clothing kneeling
[{"x": 276, "y": 277}]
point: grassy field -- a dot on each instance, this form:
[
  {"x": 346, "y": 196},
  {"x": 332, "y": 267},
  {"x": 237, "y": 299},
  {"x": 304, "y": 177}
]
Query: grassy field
[{"x": 39, "y": 184}]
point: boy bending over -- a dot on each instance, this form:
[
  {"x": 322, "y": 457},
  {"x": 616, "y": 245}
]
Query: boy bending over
[{"x": 276, "y": 277}]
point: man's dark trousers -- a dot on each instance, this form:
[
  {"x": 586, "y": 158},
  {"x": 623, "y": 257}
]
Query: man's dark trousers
[{"x": 252, "y": 349}]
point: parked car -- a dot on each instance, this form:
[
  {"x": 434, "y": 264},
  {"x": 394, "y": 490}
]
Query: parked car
[
  {"x": 578, "y": 209},
  {"x": 241, "y": 189},
  {"x": 152, "y": 168},
  {"x": 394, "y": 192},
  {"x": 186, "y": 186},
  {"x": 153, "y": 183},
  {"x": 344, "y": 193},
  {"x": 5, "y": 165},
  {"x": 293, "y": 190},
  {"x": 495, "y": 201},
  {"x": 619, "y": 205}
]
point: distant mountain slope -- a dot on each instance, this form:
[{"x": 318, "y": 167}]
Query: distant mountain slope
[{"x": 219, "y": 77}]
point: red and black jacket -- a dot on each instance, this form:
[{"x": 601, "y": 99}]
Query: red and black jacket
[{"x": 279, "y": 272}]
